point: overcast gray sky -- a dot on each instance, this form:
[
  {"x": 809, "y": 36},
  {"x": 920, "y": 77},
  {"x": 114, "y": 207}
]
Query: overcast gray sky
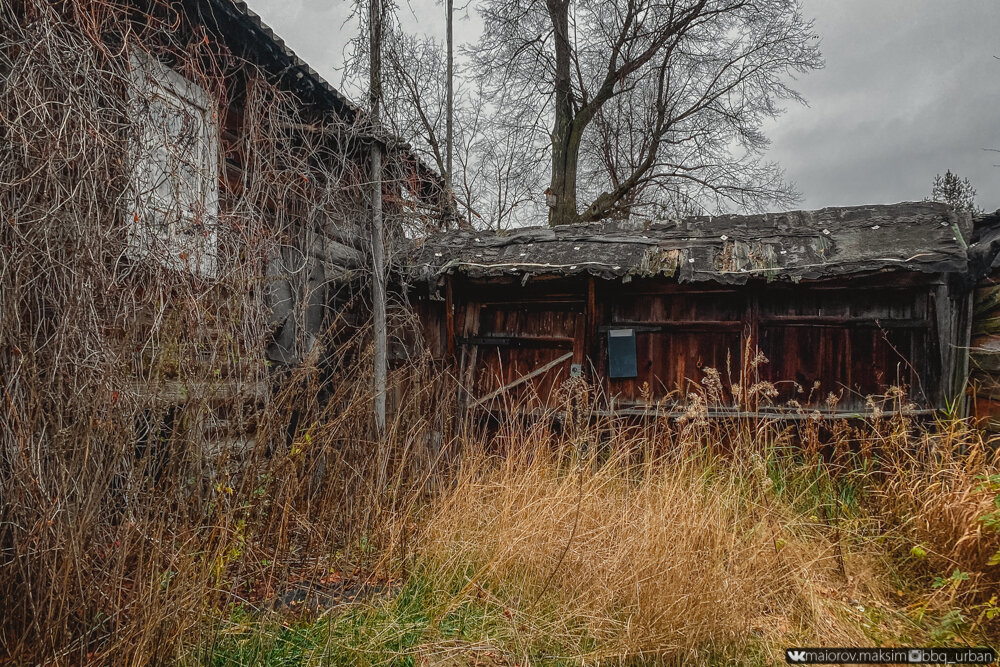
[{"x": 911, "y": 88}]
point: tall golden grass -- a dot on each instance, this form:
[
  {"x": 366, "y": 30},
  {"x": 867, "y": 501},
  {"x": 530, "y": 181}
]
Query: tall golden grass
[
  {"x": 680, "y": 537},
  {"x": 675, "y": 556},
  {"x": 672, "y": 556}
]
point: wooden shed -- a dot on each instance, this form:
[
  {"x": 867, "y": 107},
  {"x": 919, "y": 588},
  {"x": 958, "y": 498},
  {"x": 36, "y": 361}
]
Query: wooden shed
[{"x": 843, "y": 302}]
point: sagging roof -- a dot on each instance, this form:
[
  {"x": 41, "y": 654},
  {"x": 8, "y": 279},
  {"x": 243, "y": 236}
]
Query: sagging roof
[{"x": 912, "y": 236}]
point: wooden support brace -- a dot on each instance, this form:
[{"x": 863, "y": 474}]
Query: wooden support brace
[{"x": 524, "y": 378}]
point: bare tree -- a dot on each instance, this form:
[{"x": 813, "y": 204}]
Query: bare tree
[
  {"x": 496, "y": 161},
  {"x": 648, "y": 97},
  {"x": 504, "y": 161},
  {"x": 417, "y": 93}
]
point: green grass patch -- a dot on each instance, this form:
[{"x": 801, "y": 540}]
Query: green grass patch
[{"x": 424, "y": 620}]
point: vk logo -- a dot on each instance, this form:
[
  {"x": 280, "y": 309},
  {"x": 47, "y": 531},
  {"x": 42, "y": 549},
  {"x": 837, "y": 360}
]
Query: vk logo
[{"x": 795, "y": 656}]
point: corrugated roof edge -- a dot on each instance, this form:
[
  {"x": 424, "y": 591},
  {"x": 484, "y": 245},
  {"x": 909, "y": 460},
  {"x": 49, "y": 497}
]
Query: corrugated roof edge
[{"x": 294, "y": 59}]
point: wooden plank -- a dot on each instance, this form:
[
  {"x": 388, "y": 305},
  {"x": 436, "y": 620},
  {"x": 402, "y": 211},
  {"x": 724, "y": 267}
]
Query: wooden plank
[
  {"x": 987, "y": 325},
  {"x": 985, "y": 387},
  {"x": 985, "y": 360},
  {"x": 579, "y": 338},
  {"x": 570, "y": 305},
  {"x": 844, "y": 322},
  {"x": 684, "y": 325},
  {"x": 945, "y": 336},
  {"x": 590, "y": 326},
  {"x": 777, "y": 415},
  {"x": 470, "y": 354}
]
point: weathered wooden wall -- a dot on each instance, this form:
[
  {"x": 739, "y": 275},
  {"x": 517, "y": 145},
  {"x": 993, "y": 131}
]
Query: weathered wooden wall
[{"x": 848, "y": 337}]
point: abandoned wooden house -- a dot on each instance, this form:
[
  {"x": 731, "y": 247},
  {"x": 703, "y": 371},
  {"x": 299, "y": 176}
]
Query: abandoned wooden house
[
  {"x": 210, "y": 177},
  {"x": 844, "y": 304},
  {"x": 321, "y": 214}
]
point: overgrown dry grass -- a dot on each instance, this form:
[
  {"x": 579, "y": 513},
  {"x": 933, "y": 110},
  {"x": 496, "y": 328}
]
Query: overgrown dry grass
[
  {"x": 672, "y": 556},
  {"x": 618, "y": 542},
  {"x": 602, "y": 541},
  {"x": 679, "y": 555}
]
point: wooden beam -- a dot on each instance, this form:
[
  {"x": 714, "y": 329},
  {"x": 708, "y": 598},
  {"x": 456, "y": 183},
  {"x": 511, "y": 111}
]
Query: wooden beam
[
  {"x": 337, "y": 253},
  {"x": 590, "y": 325},
  {"x": 534, "y": 303},
  {"x": 715, "y": 413},
  {"x": 671, "y": 412},
  {"x": 684, "y": 325},
  {"x": 945, "y": 348},
  {"x": 517, "y": 340},
  {"x": 843, "y": 322}
]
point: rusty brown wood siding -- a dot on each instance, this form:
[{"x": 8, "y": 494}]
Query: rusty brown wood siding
[
  {"x": 503, "y": 338},
  {"x": 847, "y": 338}
]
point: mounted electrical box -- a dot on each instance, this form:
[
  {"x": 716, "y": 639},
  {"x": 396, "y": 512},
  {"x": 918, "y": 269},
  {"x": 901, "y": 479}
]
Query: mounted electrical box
[{"x": 621, "y": 353}]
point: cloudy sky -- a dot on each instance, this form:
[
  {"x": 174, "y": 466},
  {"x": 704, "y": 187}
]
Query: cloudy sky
[{"x": 910, "y": 88}]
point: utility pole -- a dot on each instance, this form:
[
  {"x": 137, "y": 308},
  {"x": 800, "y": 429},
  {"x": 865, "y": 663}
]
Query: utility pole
[
  {"x": 449, "y": 113},
  {"x": 375, "y": 25}
]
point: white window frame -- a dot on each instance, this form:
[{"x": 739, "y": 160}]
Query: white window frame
[{"x": 178, "y": 228}]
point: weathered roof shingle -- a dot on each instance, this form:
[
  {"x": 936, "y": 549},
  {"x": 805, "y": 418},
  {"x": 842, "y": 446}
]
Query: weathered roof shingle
[{"x": 913, "y": 236}]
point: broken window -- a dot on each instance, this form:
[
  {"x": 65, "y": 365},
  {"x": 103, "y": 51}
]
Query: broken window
[{"x": 175, "y": 147}]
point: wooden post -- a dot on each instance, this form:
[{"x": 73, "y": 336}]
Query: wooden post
[
  {"x": 375, "y": 18},
  {"x": 945, "y": 344},
  {"x": 449, "y": 318},
  {"x": 748, "y": 349},
  {"x": 579, "y": 338},
  {"x": 590, "y": 324},
  {"x": 964, "y": 303},
  {"x": 470, "y": 353}
]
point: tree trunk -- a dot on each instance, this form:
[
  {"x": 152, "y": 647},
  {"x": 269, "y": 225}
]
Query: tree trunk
[{"x": 565, "y": 139}]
